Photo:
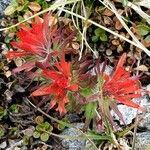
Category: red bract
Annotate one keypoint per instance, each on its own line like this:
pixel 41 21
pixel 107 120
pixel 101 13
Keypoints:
pixel 61 83
pixel 41 41
pixel 121 86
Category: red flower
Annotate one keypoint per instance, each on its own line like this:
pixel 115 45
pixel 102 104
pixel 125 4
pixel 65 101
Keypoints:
pixel 35 40
pixel 40 41
pixel 61 83
pixel 122 86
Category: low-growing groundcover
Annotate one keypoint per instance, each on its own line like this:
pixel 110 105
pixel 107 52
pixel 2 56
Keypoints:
pixel 55 66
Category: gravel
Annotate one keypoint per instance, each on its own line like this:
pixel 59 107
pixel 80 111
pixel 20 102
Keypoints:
pixel 3 5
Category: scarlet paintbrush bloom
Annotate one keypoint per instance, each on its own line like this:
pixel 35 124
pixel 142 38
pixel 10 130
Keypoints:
pixel 121 86
pixel 41 41
pixel 61 83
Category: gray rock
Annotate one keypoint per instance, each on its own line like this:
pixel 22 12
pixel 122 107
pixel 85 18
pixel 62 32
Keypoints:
pixel 76 144
pixel 130 113
pixel 3 145
pixel 148 88
pixel 145 122
pixel 19 88
pixel 3 5
pixel 143 141
pixel 108 69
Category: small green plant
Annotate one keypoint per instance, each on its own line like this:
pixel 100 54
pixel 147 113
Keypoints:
pixel 143 29
pixel 61 126
pixel 14 131
pixel 3 112
pixel 84 82
pixel 26 140
pixel 16 5
pixel 2 131
pixel 43 131
pixel 14 108
pixel 99 34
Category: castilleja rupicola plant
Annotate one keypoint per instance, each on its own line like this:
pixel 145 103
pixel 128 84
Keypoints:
pixel 110 89
pixel 121 86
pixel 61 83
pixel 44 44
pixel 118 87
pixel 40 42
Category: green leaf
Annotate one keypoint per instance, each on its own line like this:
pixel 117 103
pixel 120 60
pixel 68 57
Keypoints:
pixel 124 131
pixel 20 18
pixel 8 39
pixel 3 112
pixel 43 4
pixel 46 125
pixel 99 31
pixel 39 127
pixel 72 102
pixel 103 37
pixel 95 136
pixel 20 8
pixel 36 134
pixel 14 108
pixel 25 140
pixel 124 2
pixel 50 128
pixel 94 38
pixel 44 137
pixel 1 132
pixel 147 39
pixel 14 130
pixel 86 91
pixel 143 29
pixel 61 126
pixel 100 82
pixel 1 67
pixel 10 10
pixel 89 2
pixel 90 110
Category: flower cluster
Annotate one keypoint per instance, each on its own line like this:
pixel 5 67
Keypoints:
pixel 43 45
pixel 40 42
pixel 60 85
pixel 121 86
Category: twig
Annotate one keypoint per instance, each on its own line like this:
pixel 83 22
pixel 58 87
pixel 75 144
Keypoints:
pixel 138 43
pixel 15 145
pixel 82 33
pixel 60 122
pixel 136 7
pixel 108 30
pixel 53 7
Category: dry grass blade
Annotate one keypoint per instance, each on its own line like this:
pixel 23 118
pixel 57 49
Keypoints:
pixel 108 30
pixel 144 3
pixel 58 121
pixel 136 7
pixel 138 43
pixel 82 33
pixel 59 1
pixel 139 11
pixel 52 7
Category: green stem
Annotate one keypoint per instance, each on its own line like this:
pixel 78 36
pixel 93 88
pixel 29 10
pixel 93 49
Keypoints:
pixel 78 137
pixel 63 123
